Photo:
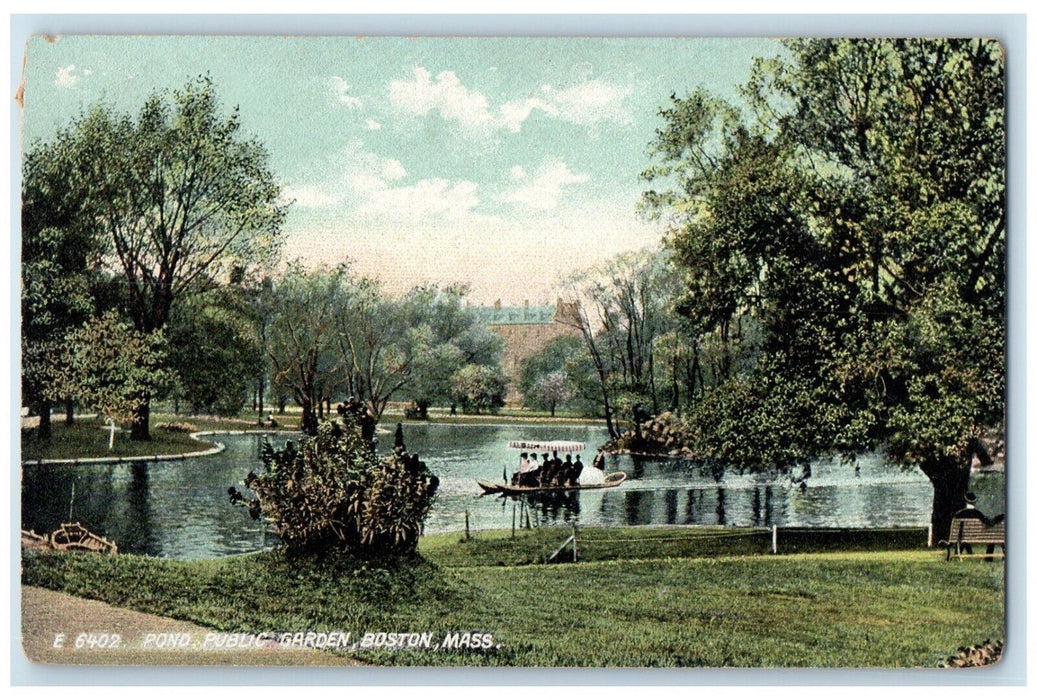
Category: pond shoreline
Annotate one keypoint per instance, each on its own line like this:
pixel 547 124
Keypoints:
pixel 216 448
pixel 385 426
pixel 179 507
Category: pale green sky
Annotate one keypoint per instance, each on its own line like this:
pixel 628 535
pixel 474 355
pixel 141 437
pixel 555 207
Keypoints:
pixel 504 163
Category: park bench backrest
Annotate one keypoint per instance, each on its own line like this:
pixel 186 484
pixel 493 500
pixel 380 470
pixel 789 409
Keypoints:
pixel 976 531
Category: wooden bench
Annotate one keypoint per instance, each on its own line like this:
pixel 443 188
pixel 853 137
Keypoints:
pixel 966 532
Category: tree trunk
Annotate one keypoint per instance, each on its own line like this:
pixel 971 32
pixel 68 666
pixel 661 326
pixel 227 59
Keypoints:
pixel 70 417
pixel 259 394
pixel 140 428
pixel 950 480
pixel 43 432
pixel 309 418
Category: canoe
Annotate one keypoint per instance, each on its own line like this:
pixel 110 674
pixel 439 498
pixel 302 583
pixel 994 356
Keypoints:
pixel 613 479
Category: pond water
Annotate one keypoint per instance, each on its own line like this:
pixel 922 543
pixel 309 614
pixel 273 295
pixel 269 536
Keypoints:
pixel 180 509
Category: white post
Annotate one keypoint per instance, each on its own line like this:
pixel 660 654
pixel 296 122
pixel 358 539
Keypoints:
pixel 774 539
pixel 111 433
pixel 929 541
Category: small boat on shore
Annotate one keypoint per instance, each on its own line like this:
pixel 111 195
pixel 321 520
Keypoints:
pixel 611 480
pixel 70 537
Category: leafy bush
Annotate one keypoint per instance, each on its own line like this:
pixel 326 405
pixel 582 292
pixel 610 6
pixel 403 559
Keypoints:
pixel 479 388
pixel 177 427
pixel 333 493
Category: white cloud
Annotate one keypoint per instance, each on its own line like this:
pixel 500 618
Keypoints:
pixel 542 190
pixel 340 90
pixel 372 125
pixel 372 187
pixel 590 102
pixel 435 197
pixel 514 113
pixel 365 172
pixel 66 76
pixel 584 104
pixel 422 94
pixel 392 169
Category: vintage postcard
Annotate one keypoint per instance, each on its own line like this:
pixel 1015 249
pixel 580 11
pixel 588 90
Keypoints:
pixel 514 352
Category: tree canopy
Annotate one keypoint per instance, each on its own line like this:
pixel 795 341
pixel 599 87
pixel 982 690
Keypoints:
pixel 853 212
pixel 172 200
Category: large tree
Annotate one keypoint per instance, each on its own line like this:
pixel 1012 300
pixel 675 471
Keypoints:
pixel 60 266
pixel 215 351
pixel 178 196
pixel 622 308
pixel 304 333
pixel 411 346
pixel 854 214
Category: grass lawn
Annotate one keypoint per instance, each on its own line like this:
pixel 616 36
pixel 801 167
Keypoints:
pixel 626 604
pixel 88 437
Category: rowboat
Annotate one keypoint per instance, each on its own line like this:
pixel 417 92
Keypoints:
pixel 611 480
pixel 70 537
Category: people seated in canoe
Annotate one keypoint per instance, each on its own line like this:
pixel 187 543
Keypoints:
pixel 577 471
pixel 547 471
pixel 516 478
pixel 528 473
pixel 568 471
pixel 531 477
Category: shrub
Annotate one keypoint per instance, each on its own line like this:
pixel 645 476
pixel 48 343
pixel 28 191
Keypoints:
pixel 333 493
pixel 177 427
pixel 478 388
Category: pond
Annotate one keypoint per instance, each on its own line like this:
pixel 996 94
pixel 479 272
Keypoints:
pixel 180 509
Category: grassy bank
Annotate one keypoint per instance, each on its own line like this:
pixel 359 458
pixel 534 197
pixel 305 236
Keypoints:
pixel 533 546
pixel 633 605
pixel 88 437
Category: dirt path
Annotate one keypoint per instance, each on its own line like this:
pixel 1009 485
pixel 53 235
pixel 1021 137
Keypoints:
pixel 47 614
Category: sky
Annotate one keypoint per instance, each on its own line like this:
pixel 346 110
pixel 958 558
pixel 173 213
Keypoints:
pixel 506 164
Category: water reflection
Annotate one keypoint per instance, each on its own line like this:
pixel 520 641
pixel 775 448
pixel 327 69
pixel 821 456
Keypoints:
pixel 138 500
pixel 180 509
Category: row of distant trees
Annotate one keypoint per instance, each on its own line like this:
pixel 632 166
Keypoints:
pixel 149 271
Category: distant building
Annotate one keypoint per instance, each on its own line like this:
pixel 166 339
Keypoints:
pixel 526 331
